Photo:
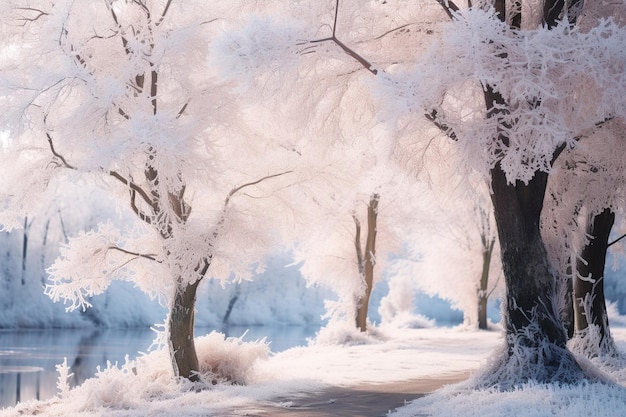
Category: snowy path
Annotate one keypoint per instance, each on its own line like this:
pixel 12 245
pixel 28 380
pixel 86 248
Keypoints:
pixel 364 400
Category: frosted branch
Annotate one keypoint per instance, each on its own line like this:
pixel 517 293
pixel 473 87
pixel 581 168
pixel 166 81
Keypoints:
pixel 344 47
pixel 449 7
pixel 432 116
pixel 150 256
pixel 134 187
pixel 249 184
pixel 39 13
pixel 58 155
pixel 167 7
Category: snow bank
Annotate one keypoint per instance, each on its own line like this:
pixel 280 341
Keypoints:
pixel 529 400
pixel 146 386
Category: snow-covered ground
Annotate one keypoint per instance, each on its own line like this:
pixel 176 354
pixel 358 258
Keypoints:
pixel 144 387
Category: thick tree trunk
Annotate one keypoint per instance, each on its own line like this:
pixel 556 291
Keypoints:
pixel 368 261
pixel 181 322
pixel 589 302
pixel 536 339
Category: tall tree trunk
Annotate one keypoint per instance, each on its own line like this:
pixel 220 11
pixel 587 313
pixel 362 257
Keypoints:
pixel 367 262
pixel 231 305
pixel 536 339
pixel 181 322
pixel 589 302
pixel 483 294
pixel 24 250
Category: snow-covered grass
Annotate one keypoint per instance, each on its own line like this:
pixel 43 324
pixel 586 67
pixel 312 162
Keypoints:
pixel 145 387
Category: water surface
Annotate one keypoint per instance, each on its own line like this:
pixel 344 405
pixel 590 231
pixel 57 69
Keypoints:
pixel 28 358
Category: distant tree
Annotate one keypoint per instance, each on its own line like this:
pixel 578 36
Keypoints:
pixel 366 259
pixel 122 93
pixel 454 252
pixel 354 220
pixel 348 249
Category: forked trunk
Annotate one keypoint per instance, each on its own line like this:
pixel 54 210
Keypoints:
pixel 589 302
pixel 181 322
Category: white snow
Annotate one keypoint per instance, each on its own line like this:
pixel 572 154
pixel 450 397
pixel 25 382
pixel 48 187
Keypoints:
pixel 145 387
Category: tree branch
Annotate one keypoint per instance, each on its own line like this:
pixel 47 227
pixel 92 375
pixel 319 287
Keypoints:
pixel 167 7
pixel 151 257
pixel 134 187
pixel 344 47
pixel 24 19
pixel 393 30
pixel 56 154
pixel 241 187
pixel 133 205
pixel 432 116
pixel 616 240
pixel 182 110
pixel 449 7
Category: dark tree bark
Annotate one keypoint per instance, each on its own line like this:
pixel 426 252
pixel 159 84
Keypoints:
pixel 181 322
pixel 483 294
pixel 533 327
pixel 589 302
pixel 567 310
pixel 231 305
pixel 529 277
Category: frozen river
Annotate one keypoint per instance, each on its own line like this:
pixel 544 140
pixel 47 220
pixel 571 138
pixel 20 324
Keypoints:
pixel 28 358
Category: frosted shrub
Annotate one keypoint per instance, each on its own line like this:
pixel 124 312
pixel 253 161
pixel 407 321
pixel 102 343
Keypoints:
pixel 64 376
pixel 229 359
pixel 345 333
pixel 150 377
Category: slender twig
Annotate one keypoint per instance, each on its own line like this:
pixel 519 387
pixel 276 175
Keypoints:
pixel 25 19
pixel 133 205
pixel 432 116
pixel 56 154
pixel 356 56
pixel 449 7
pixel 393 30
pixel 616 240
pixel 182 110
pixel 133 187
pixel 150 256
pixel 167 6
pixel 345 48
pixel 239 188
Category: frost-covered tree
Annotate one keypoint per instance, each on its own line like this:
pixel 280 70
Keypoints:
pixel 514 84
pixel 360 204
pixel 545 80
pixel 453 254
pixel 122 93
